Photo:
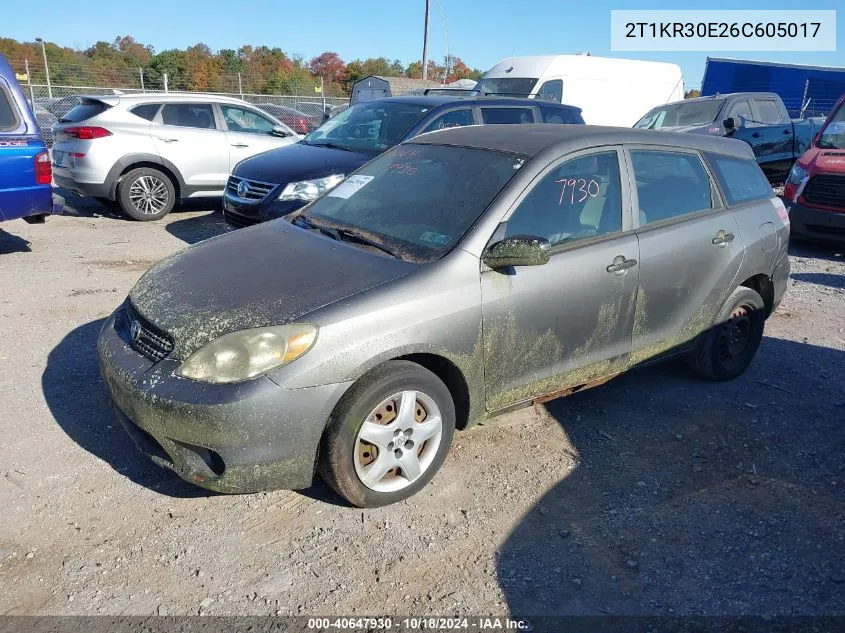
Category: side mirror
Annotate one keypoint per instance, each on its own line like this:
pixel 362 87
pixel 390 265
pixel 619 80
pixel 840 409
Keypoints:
pixel 278 130
pixel 519 250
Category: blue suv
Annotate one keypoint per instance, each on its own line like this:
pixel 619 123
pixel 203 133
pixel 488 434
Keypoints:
pixel 281 181
pixel 26 172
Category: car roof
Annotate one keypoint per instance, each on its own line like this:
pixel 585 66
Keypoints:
pixel 163 97
pixel 726 95
pixel 530 139
pixel 436 100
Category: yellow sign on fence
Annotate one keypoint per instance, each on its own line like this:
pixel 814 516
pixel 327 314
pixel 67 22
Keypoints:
pixel 22 77
pixel 318 89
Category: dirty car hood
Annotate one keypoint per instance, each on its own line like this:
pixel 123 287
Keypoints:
pixel 270 274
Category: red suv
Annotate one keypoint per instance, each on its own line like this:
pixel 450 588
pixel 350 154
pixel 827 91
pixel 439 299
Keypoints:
pixel 815 189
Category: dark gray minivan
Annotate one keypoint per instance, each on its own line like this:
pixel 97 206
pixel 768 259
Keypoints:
pixel 455 276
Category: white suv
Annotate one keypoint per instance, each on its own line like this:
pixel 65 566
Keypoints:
pixel 145 152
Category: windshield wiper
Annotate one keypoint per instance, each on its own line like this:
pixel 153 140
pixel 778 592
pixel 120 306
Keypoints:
pixel 332 146
pixel 341 233
pixel 357 237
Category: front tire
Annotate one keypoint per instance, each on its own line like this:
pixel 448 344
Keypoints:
pixel 146 194
pixel 726 350
pixel 388 436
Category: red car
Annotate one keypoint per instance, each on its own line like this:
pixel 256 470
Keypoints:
pixel 298 121
pixel 815 190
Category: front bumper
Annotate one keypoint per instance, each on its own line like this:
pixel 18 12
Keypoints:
pixel 237 438
pixel 238 214
pixel 816 224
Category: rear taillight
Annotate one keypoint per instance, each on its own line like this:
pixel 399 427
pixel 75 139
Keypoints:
pixel 781 210
pixel 86 132
pixel 43 169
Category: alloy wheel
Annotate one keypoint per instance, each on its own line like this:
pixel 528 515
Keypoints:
pixel 148 195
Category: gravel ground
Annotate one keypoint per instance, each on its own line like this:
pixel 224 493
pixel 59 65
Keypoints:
pixel 654 494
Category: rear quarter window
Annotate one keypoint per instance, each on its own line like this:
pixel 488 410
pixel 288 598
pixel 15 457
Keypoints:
pixel 560 115
pixel 146 111
pixel 506 115
pixel 741 180
pixel 8 110
pixel 83 112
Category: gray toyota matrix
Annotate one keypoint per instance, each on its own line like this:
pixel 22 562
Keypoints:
pixel 455 276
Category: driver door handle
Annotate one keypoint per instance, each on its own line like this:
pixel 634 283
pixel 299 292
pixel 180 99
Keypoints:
pixel 756 135
pixel 167 140
pixel 240 144
pixel 621 265
pixel 722 239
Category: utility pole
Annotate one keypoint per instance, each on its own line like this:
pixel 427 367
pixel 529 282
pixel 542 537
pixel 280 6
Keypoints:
pixel 240 87
pixel 29 81
pixel 425 42
pixel 47 68
pixel 141 73
pixel 164 76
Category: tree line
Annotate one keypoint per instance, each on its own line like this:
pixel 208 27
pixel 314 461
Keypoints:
pixel 262 69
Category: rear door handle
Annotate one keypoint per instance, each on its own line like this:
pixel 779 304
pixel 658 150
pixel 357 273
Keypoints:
pixel 723 238
pixel 168 140
pixel 756 135
pixel 787 131
pixel 240 145
pixel 621 265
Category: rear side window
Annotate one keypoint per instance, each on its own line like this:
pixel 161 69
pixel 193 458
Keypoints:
pixel 83 112
pixel 768 111
pixel 559 115
pixel 741 180
pixel 551 91
pixel 146 111
pixel 455 118
pixel 8 111
pixel 197 115
pixel 669 184
pixel 492 116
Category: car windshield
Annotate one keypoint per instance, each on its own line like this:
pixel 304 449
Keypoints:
pixel 678 114
pixel 506 86
pixel 833 136
pixel 417 200
pixel 373 126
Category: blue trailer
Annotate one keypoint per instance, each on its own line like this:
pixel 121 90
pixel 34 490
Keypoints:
pixel 805 90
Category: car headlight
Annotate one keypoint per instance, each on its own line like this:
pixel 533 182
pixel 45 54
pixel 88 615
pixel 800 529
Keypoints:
pixel 249 353
pixel 797 174
pixel 310 189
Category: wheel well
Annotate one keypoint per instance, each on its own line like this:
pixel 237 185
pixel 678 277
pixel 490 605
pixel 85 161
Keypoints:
pixel 452 377
pixel 157 166
pixel 762 284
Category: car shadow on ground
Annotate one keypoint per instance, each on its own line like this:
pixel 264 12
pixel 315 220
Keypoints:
pixel 828 252
pixel 77 398
pixel 13 244
pixel 831 280
pixel 693 497
pixel 197 228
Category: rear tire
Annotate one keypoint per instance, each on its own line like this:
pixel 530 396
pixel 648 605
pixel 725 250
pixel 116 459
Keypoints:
pixel 726 350
pixel 146 194
pixel 410 420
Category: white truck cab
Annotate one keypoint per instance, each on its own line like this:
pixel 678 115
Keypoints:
pixel 609 91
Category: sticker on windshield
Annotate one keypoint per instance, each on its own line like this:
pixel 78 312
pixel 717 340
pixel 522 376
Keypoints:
pixel 349 186
pixel 435 238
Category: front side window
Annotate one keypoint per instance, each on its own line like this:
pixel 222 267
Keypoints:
pixel 248 121
pixel 741 180
pixel 739 109
pixel 669 184
pixel 8 112
pixel 196 115
pixel 454 118
pixel 551 91
pixel 507 115
pixel 579 199
pixel 833 135
pixel 373 126
pixel 768 111
pixel 419 199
